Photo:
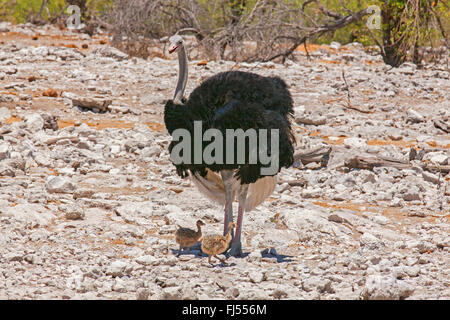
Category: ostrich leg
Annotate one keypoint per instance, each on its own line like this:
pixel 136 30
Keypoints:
pixel 227 178
pixel 236 247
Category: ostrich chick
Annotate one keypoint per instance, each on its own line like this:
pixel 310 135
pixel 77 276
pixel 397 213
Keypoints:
pixel 214 244
pixel 186 237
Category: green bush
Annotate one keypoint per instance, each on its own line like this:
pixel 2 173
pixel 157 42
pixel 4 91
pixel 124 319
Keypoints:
pixel 16 11
pixel 406 24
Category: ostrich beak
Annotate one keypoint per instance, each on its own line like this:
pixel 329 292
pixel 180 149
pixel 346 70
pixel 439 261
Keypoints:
pixel 173 49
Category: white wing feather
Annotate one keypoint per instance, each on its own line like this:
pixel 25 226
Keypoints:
pixel 212 187
pixel 259 191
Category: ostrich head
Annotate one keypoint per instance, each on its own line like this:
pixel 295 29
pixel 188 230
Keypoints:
pixel 177 45
pixel 200 223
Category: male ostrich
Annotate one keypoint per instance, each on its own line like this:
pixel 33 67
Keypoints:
pixel 232 100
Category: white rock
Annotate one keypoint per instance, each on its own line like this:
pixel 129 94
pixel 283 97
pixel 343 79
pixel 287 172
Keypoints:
pixel 43 160
pixel 114 171
pixel 142 294
pixel 34 122
pixel 119 109
pixel 256 276
pixel 58 184
pixel 412 271
pixel 115 149
pixel 171 293
pixel 4 27
pixel 430 177
pixel 4 113
pixel 299 110
pixel 396 202
pixel 335 45
pixel 399 272
pixel 438 158
pixel 4 150
pixel 147 260
pixel 119 286
pixel 317 283
pixel 380 220
pixel 110 52
pixel 118 268
pixel 73 212
pixel 9 69
pixel 14 256
pixel 280 188
pixel 379 287
pixel 411 194
pixel 135 211
pixel 149 152
pixel 355 143
pixel 414 116
pixel 370 241
pixel 33 214
pixel 340 187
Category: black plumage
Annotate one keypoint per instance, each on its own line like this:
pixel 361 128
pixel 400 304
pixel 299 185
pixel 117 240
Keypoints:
pixel 235 100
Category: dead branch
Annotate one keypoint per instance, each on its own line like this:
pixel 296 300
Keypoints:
pixel 295 183
pixel 346 87
pixel 329 13
pixel 441 125
pixel 273 29
pixel 309 121
pixel 320 31
pixel 348 101
pixel 368 163
pixel 41 10
pixel 320 154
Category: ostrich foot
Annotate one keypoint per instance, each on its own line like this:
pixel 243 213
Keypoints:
pixel 222 261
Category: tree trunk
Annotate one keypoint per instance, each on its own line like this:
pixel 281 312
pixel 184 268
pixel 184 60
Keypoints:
pixel 81 4
pixel 237 9
pixel 391 21
pixel 44 3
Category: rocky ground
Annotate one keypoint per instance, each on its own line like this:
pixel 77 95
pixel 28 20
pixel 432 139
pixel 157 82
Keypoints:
pixel 89 200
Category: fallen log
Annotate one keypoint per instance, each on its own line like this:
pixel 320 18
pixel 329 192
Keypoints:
pixel 317 121
pixel 435 168
pixel 301 182
pixel 320 154
pixel 73 139
pixel 441 125
pixel 368 163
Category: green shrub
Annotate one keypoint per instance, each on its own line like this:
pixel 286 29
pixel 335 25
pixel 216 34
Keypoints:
pixel 16 11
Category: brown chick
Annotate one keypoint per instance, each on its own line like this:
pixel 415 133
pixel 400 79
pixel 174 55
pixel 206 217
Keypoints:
pixel 214 244
pixel 186 237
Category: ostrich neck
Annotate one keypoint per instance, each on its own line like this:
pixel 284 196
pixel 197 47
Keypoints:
pixel 229 237
pixel 182 75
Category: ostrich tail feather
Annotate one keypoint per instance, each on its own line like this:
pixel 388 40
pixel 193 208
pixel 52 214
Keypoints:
pixel 211 186
pixel 259 191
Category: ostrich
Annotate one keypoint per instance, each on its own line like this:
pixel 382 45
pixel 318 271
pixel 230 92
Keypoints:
pixel 213 245
pixel 186 237
pixel 232 100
